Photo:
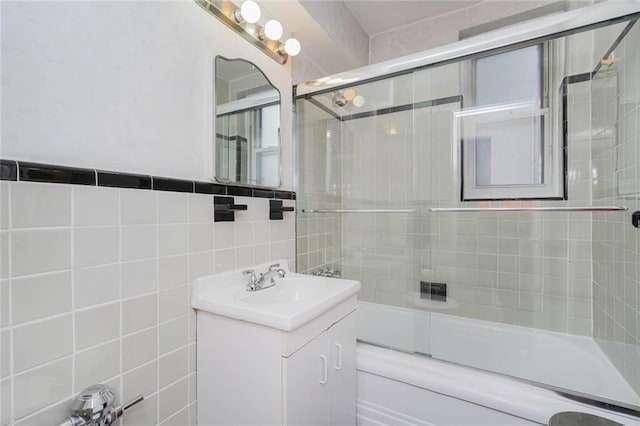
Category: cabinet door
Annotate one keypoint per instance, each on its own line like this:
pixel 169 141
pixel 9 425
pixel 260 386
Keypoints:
pixel 342 372
pixel 307 376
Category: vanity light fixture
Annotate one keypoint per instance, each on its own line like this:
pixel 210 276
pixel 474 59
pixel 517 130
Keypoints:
pixel 273 30
pixel 249 12
pixel 244 20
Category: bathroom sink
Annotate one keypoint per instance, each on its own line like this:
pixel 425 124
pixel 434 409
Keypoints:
pixel 293 301
pixel 287 290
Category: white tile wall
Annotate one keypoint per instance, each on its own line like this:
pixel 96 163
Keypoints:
pixel 96 288
pixel 526 269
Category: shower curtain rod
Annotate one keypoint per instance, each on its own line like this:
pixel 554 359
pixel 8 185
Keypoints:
pixel 529 209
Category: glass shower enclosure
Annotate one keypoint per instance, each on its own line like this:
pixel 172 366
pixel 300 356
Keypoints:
pixel 486 204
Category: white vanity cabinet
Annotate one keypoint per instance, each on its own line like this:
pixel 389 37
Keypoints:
pixel 251 374
pixel 320 378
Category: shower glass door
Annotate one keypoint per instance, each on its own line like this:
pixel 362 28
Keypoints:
pixel 522 282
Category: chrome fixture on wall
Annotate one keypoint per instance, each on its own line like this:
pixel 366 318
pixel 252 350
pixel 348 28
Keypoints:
pixel 244 21
pixel 94 407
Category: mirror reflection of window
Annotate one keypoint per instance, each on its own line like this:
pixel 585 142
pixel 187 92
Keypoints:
pixel 247 139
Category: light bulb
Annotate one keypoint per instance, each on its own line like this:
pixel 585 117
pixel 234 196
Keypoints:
pixel 349 94
pixel 358 101
pixel 292 47
pixel 250 12
pixel 273 30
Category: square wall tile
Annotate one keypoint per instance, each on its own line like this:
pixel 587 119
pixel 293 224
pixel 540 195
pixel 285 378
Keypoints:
pixel 140 381
pixel 41 387
pixel 95 246
pixel 97 364
pixel 137 207
pixel 200 208
pixel 224 235
pixel 173 207
pixel 97 325
pixel 201 264
pixel 54 334
pixel 173 398
pixel 173 334
pixel 139 313
pixel 39 251
pixel 40 296
pixel 139 348
pixel 200 237
pixel 173 366
pixel 138 242
pixel 94 206
pixel 96 285
pixel 143 414
pixel 139 277
pixel 173 303
pixel 59 410
pixel 173 239
pixel 173 271
pixel 40 204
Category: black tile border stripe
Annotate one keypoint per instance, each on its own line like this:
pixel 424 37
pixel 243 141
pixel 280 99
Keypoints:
pixel 173 185
pixel 12 170
pixel 124 180
pixel 240 191
pixel 35 172
pixel 210 188
pixel 8 170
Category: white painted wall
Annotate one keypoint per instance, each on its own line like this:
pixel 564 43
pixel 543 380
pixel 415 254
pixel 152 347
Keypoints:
pixel 442 29
pixel 124 86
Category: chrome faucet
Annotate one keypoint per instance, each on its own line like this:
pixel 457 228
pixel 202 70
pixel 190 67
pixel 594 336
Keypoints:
pixel 265 280
pixel 95 406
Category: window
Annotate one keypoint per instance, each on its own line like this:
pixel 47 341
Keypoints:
pixel 508 148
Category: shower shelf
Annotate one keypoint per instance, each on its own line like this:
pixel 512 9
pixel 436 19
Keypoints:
pixel 360 211
pixel 529 209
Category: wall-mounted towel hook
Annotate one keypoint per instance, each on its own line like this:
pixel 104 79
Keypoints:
pixel 276 208
pixel 224 209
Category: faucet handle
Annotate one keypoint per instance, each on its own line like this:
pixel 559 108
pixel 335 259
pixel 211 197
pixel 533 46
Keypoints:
pixel 248 272
pixel 274 267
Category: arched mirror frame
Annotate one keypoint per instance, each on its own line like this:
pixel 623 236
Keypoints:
pixel 278 169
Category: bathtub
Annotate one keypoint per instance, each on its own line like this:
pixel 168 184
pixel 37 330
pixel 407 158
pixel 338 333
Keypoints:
pixel 396 387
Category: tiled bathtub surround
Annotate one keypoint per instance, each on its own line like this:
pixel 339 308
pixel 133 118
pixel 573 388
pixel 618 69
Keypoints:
pixel 530 269
pixel 95 287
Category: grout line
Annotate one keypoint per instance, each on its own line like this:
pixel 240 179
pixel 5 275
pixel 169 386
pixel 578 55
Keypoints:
pixel 157 355
pixel 12 372
pixel 74 343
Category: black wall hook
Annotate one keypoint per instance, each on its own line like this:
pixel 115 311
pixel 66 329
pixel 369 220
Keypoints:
pixel 224 209
pixel 276 208
pixel 635 219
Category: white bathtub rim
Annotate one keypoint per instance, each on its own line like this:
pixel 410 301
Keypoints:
pixel 504 394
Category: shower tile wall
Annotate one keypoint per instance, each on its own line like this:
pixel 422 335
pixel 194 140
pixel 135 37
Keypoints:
pixel 530 269
pixel 95 287
pixel 616 160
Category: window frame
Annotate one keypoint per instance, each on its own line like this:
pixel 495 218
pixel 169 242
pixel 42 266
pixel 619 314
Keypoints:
pixel 553 186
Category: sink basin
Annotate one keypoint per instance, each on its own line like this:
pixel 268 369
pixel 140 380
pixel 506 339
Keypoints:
pixel 287 290
pixel 295 299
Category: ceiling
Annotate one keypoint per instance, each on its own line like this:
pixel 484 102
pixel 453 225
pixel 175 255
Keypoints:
pixel 376 16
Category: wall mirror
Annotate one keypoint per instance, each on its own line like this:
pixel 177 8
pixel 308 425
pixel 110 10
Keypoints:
pixel 247 147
